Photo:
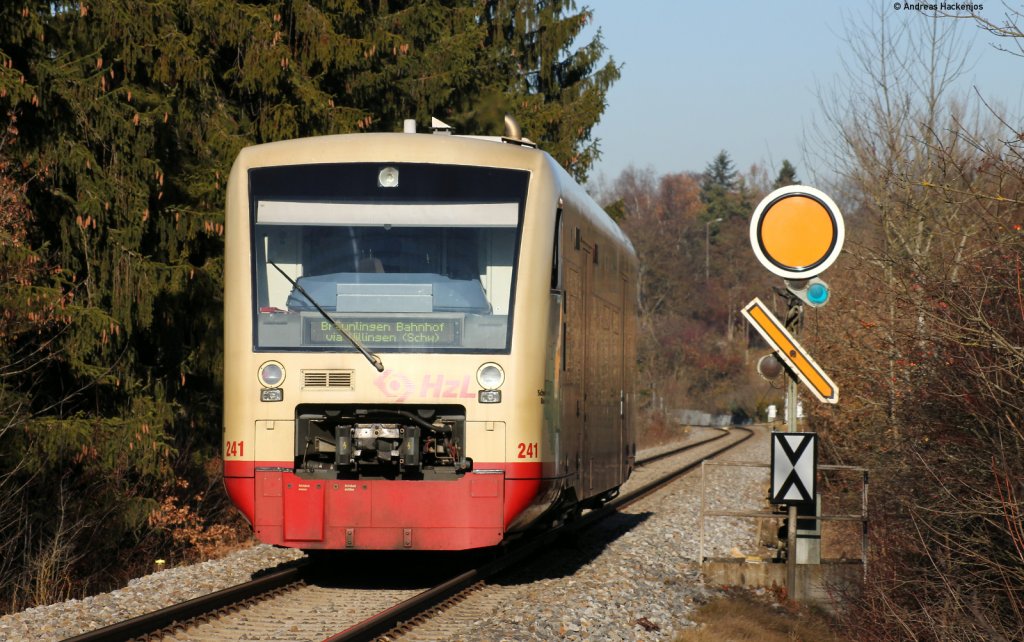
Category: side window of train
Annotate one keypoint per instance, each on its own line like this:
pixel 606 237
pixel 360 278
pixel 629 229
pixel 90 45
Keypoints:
pixel 556 254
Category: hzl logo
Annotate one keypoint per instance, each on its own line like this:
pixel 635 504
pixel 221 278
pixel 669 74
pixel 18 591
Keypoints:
pixel 399 387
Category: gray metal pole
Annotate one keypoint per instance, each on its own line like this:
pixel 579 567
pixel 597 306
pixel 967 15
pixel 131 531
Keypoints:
pixel 791 390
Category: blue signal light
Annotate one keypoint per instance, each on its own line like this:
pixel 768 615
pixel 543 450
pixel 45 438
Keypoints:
pixel 817 293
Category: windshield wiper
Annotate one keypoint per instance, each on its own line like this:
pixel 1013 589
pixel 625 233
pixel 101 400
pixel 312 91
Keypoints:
pixel 372 358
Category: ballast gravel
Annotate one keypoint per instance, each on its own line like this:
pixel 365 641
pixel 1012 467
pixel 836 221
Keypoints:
pixel 141 595
pixel 634 577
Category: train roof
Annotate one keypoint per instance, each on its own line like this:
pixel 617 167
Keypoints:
pixel 498 151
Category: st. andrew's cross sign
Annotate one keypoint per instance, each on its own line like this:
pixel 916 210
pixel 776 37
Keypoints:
pixel 794 467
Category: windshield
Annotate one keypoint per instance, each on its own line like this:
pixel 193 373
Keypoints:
pixel 426 270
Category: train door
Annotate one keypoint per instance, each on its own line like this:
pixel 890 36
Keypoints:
pixel 574 344
pixel 620 381
pixel 604 375
pixel 629 368
pixel 590 368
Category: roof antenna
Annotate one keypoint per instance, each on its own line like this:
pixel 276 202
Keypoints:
pixel 439 127
pixel 514 133
pixel 512 129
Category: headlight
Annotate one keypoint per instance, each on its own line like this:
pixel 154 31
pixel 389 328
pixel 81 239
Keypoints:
pixel 388 177
pixel 490 376
pixel 271 374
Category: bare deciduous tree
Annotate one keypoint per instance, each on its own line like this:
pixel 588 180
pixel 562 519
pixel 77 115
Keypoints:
pixel 927 335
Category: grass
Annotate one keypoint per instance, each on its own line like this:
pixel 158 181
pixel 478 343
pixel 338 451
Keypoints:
pixel 742 616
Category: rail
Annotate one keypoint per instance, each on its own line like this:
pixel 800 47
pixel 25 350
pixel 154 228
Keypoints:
pixel 385 621
pixel 156 620
pixel 389 618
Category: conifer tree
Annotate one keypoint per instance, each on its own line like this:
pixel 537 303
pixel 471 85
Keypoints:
pixel 131 114
pixel 787 175
pixel 130 117
pixel 727 209
pixel 718 179
pixel 556 92
pixel 722 191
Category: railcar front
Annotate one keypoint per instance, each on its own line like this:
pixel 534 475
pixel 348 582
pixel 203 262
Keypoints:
pixel 385 341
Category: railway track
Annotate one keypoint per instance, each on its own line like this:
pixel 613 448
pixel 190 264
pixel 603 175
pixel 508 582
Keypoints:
pixel 313 601
pixel 433 622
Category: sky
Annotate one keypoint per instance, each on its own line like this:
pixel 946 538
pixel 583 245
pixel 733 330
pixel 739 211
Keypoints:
pixel 745 75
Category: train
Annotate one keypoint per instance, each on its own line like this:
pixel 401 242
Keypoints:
pixel 429 341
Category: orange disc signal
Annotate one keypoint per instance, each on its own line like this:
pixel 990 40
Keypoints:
pixel 797 232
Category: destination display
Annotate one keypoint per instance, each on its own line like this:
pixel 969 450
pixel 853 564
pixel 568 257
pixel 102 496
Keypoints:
pixel 396 332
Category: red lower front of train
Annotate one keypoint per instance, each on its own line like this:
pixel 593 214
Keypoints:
pixel 474 511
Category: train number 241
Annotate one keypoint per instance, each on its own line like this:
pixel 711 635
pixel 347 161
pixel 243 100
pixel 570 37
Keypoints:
pixel 234 449
pixel 529 451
